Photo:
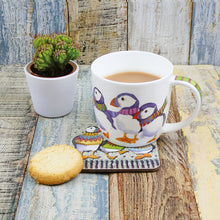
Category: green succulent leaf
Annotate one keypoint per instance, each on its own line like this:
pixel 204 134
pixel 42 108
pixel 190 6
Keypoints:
pixel 60 58
pixel 37 42
pixel 43 57
pixel 53 52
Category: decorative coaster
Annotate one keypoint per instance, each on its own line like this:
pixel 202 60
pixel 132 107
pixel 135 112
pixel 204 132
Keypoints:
pixel 102 156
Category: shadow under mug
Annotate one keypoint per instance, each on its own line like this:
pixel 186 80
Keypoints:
pixel 135 114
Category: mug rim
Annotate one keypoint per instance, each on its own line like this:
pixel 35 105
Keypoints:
pixel 132 83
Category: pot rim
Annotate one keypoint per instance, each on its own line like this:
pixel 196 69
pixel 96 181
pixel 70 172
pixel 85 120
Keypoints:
pixel 28 71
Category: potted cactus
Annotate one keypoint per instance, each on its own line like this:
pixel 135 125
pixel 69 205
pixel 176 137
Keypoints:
pixel 52 75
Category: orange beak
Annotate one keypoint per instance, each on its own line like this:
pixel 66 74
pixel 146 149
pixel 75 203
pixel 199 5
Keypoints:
pixel 114 103
pixel 136 116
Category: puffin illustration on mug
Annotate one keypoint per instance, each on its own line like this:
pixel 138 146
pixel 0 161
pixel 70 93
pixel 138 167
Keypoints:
pixel 145 120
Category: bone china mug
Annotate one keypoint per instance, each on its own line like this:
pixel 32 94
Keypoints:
pixel 134 114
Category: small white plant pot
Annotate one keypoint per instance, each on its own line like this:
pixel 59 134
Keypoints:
pixel 52 96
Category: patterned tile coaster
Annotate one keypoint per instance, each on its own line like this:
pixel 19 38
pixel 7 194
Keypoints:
pixel 102 156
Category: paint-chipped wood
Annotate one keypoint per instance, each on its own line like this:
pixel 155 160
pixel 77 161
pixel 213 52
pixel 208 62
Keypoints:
pixel 162 27
pixel 99 27
pixel 165 194
pixel 85 196
pixel 203 137
pixel 21 20
pixel 184 31
pixel 205 39
pixel 17 125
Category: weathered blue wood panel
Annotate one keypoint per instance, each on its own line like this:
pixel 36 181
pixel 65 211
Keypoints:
pixel 13 25
pixel 48 17
pixel 205 33
pixel 17 125
pixel 21 20
pixel 161 27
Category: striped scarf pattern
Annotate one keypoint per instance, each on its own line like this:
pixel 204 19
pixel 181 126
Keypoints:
pixel 129 111
pixel 101 107
pixel 154 115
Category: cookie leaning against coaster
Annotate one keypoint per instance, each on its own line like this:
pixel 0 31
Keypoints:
pixel 56 164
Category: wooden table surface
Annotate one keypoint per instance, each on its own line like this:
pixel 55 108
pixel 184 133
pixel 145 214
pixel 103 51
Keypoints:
pixel 185 187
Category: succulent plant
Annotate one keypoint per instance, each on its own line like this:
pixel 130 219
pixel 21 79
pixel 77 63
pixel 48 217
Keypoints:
pixel 53 54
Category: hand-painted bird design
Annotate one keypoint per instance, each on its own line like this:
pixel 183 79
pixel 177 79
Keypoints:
pixel 142 151
pixel 129 105
pixel 108 147
pixel 101 110
pixel 89 141
pixel 151 119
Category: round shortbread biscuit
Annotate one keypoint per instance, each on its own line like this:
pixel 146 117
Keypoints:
pixel 56 164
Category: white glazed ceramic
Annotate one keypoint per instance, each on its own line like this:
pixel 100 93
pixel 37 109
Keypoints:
pixel 134 114
pixel 52 96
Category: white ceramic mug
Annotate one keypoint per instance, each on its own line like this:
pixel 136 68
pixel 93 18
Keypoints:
pixel 135 114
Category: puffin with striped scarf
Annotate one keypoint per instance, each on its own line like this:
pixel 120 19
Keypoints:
pixel 129 106
pixel 151 119
pixel 102 112
pixel 88 142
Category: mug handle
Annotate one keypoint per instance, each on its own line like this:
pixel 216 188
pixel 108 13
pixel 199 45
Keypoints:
pixel 181 80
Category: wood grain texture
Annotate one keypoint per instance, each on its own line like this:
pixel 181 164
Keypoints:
pixel 165 194
pixel 14 22
pixel 17 125
pixel 203 137
pixel 21 20
pixel 99 27
pixel 85 196
pixel 162 27
pixel 205 39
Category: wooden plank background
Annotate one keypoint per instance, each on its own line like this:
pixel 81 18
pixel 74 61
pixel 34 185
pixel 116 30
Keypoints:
pixel 17 125
pixel 99 27
pixel 205 40
pixel 21 20
pixel 203 137
pixel 161 27
pixel 184 31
